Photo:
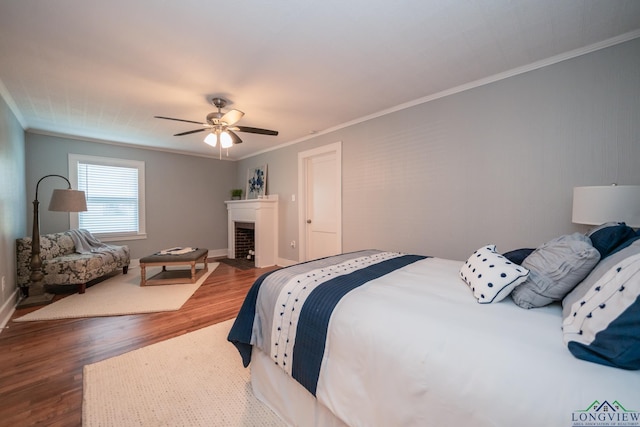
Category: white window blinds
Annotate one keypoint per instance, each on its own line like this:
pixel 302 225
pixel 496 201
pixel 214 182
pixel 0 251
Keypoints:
pixel 114 196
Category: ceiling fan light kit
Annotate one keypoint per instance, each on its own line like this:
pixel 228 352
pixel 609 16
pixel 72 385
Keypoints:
pixel 221 126
pixel 224 137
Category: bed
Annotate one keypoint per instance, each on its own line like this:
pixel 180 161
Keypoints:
pixel 374 338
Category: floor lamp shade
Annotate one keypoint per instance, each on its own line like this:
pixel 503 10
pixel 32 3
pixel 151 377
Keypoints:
pixel 599 204
pixel 68 201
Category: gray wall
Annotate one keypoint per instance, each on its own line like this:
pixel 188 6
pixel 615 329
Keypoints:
pixel 495 164
pixel 12 203
pixel 184 194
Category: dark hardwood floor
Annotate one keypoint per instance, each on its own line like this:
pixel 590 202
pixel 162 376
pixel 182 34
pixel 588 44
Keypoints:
pixel 41 362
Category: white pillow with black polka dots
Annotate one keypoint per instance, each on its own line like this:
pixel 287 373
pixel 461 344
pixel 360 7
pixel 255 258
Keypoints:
pixel 490 275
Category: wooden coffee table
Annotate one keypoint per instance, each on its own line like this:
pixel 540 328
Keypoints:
pixel 167 277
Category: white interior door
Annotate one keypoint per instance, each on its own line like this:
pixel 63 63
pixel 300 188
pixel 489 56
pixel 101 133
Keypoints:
pixel 320 174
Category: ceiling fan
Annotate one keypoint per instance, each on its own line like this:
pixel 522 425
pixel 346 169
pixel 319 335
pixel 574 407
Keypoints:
pixel 221 127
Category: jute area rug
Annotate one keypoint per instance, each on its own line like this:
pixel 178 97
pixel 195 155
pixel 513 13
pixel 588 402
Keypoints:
pixel 196 379
pixel 120 295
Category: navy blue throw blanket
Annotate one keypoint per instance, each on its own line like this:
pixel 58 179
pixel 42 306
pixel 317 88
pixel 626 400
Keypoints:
pixel 242 329
pixel 311 331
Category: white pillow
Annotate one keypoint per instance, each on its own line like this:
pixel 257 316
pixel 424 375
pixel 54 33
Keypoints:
pixel 490 275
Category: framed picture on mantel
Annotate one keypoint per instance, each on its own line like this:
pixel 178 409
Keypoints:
pixel 257 182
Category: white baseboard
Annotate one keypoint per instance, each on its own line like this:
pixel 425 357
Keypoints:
pixel 7 309
pixel 217 253
pixel 283 262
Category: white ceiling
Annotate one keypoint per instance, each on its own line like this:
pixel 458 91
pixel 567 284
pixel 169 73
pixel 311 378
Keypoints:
pixel 100 70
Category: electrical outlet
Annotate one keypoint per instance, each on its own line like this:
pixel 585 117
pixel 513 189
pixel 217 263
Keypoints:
pixel 293 243
pixel 3 284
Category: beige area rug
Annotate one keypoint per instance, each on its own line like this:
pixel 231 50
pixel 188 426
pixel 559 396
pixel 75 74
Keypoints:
pixel 196 379
pixel 120 295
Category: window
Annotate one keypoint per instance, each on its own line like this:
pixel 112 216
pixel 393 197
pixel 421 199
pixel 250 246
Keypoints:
pixel 115 196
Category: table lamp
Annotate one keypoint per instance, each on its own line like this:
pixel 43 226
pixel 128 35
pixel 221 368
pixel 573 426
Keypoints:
pixel 600 204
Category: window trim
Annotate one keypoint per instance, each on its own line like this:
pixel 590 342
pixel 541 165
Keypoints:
pixel 74 159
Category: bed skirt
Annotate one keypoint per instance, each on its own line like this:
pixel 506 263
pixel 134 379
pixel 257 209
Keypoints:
pixel 285 396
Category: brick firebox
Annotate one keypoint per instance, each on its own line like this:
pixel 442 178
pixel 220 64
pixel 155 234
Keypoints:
pixel 245 239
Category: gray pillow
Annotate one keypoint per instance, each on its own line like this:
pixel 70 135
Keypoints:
pixel 601 269
pixel 555 269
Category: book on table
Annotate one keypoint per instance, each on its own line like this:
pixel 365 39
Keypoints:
pixel 177 251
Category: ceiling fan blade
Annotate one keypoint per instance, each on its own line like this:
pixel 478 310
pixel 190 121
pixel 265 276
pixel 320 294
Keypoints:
pixel 179 120
pixel 231 117
pixel 234 137
pixel 189 132
pixel 256 130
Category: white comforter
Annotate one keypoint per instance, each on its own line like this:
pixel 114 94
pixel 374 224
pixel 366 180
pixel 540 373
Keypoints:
pixel 414 348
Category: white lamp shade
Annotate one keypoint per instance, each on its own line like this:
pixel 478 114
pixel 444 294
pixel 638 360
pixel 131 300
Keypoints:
pixel 599 204
pixel 68 201
pixel 225 140
pixel 211 139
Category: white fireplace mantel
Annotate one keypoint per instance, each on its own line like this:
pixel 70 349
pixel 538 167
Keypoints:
pixel 264 214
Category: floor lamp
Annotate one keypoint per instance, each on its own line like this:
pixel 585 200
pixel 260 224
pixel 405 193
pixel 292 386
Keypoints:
pixel 62 200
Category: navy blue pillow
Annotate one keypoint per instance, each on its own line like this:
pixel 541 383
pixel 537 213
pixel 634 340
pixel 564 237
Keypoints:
pixel 625 244
pixel 616 346
pixel 516 256
pixel 607 239
pixel 602 314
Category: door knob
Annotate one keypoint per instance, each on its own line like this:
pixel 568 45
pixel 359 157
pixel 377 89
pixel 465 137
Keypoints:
pixel 308 221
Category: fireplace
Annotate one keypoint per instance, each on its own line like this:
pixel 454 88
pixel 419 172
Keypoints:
pixel 253 223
